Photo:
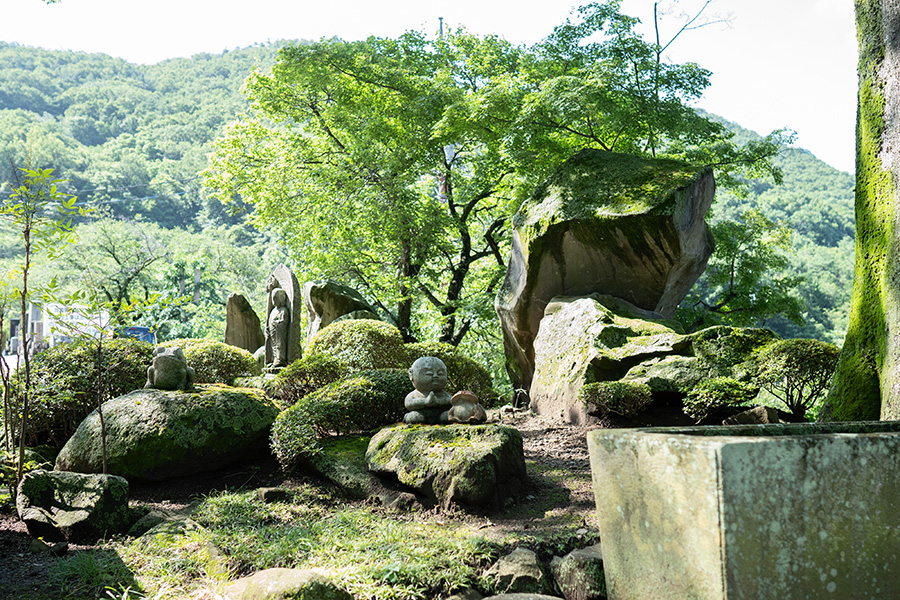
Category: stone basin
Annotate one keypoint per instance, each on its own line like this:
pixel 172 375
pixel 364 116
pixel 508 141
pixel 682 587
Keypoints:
pixel 792 511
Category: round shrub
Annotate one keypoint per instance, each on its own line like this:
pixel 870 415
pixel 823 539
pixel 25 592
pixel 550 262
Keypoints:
pixel 361 344
pixel 798 372
pixel 214 361
pixel 463 373
pixel 625 398
pixel 717 392
pixel 305 376
pixel 64 383
pixel 363 402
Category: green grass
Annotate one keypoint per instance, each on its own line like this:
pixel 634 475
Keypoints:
pixel 371 553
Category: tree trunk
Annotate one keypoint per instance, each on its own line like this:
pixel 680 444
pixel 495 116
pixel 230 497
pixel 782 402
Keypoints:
pixel 867 381
pixel 404 305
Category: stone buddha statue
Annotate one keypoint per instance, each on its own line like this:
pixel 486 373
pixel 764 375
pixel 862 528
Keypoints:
pixel 429 402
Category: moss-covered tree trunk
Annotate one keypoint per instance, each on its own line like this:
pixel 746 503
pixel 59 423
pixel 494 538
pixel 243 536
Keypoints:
pixel 867 382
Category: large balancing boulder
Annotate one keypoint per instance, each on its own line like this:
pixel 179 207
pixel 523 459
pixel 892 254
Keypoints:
pixel 593 338
pixel 74 507
pixel 327 301
pixel 474 465
pixel 607 223
pixel 156 434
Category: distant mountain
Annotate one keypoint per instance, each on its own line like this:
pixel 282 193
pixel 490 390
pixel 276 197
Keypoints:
pixel 131 136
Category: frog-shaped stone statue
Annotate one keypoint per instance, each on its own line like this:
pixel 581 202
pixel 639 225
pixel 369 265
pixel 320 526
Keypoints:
pixel 169 370
pixel 466 409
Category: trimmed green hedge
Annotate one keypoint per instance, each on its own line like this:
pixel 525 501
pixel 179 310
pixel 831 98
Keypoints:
pixel 64 383
pixel 625 398
pixel 214 361
pixel 365 401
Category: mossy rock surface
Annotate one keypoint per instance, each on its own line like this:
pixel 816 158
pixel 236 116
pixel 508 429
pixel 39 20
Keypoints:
pixel 342 460
pixel 72 506
pixel 582 340
pixel 158 434
pixel 606 223
pixel 478 465
pixel 285 584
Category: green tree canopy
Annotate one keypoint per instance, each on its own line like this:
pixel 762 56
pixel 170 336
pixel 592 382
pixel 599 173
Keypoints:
pixel 394 164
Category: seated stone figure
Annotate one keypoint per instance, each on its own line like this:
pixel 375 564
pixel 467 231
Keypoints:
pixel 429 402
pixel 169 370
pixel 466 409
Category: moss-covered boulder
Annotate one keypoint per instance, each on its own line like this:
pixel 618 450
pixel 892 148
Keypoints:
pixel 719 351
pixel 285 584
pixel 589 339
pixel 78 508
pixel 477 465
pixel 608 223
pixel 157 434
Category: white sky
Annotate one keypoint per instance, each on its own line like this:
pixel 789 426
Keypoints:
pixel 780 63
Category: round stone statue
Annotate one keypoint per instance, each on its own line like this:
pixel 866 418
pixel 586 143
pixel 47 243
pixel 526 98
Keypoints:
pixel 169 370
pixel 466 409
pixel 429 402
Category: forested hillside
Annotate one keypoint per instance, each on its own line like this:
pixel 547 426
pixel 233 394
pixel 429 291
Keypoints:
pixel 816 202
pixel 132 140
pixel 131 136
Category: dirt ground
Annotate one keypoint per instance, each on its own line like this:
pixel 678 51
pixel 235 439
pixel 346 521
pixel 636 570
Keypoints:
pixel 558 501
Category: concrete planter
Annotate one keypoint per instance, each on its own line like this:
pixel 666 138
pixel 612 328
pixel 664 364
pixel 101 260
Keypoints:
pixel 756 512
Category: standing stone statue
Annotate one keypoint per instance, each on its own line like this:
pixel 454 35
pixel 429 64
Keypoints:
pixel 278 328
pixel 283 330
pixel 429 402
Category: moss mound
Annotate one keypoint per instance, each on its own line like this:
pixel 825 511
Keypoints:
pixel 361 344
pixel 626 398
pixel 365 401
pixel 718 392
pixel 214 361
pixel 305 376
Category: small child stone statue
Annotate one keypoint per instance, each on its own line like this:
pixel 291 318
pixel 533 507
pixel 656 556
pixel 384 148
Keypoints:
pixel 466 409
pixel 429 402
